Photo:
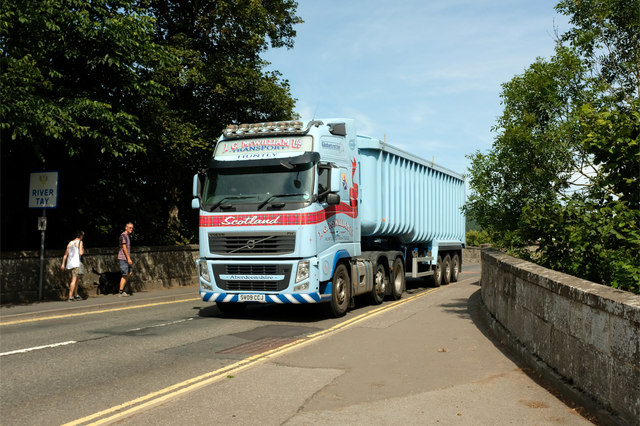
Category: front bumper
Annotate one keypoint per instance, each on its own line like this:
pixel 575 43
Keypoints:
pixel 287 298
pixel 255 281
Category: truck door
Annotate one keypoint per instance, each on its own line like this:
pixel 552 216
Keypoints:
pixel 343 221
pixel 338 227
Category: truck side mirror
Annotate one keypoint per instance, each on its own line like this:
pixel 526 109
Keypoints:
pixel 333 199
pixel 338 129
pixel 197 189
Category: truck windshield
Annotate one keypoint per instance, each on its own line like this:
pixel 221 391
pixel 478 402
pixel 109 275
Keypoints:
pixel 251 188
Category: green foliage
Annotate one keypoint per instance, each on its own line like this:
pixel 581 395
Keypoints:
pixel 563 170
pixel 607 34
pixel 611 136
pixel 70 70
pixel 471 224
pixel 600 243
pixel 476 238
pixel 126 99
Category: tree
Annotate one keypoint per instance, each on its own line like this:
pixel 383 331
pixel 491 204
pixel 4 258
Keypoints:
pixel 125 99
pixel 71 71
pixel 74 75
pixel 563 170
pixel 607 34
pixel 536 152
pixel 220 81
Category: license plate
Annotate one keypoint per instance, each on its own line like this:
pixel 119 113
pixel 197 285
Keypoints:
pixel 251 298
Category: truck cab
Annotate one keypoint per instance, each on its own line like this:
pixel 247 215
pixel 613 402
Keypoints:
pixel 278 205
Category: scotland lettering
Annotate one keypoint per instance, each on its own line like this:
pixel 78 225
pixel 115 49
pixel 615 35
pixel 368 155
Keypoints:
pixel 250 220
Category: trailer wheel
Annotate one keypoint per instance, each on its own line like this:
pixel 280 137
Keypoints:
pixel 436 278
pixel 455 268
pixel 446 270
pixel 397 279
pixel 380 281
pixel 231 308
pixel 339 292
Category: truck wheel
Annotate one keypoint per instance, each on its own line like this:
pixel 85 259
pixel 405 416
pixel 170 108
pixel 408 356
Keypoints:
pixel 340 292
pixel 380 281
pixel 231 308
pixel 446 270
pixel 455 268
pixel 397 279
pixel 436 279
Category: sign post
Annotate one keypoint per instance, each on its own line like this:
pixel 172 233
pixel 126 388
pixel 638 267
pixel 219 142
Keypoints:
pixel 43 194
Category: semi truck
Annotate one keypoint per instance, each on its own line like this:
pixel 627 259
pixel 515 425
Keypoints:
pixel 303 214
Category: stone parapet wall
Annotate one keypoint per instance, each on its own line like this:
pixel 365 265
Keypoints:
pixel 586 333
pixel 470 256
pixel 154 268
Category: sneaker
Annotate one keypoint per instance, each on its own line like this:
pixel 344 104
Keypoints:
pixel 77 298
pixel 123 294
pixel 70 300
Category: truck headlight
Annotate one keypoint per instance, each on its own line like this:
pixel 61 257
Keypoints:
pixel 303 271
pixel 204 270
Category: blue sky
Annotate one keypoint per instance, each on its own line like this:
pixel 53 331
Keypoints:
pixel 426 74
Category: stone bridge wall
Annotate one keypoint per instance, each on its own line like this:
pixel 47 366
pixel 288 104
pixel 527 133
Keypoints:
pixel 587 334
pixel 154 268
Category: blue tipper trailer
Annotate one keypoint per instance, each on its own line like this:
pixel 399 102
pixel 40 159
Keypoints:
pixel 295 213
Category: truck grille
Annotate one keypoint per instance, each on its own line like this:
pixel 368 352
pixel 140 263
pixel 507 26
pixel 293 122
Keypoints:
pixel 252 244
pixel 253 284
pixel 252 269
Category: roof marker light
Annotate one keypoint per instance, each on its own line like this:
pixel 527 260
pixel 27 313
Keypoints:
pixel 277 128
pixel 230 130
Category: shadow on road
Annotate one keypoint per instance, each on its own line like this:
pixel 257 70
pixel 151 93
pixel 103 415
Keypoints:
pixel 478 314
pixel 276 313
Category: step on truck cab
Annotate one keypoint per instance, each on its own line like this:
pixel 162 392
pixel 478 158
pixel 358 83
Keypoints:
pixel 297 214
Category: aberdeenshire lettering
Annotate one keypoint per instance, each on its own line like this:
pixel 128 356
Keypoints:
pixel 249 220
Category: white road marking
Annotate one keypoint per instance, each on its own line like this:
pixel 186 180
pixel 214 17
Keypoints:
pixel 71 342
pixel 161 325
pixel 35 348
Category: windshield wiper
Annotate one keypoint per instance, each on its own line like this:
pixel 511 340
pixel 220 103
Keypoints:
pixel 264 203
pixel 231 197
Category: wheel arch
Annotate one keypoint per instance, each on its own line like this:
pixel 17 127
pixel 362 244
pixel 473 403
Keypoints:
pixel 341 256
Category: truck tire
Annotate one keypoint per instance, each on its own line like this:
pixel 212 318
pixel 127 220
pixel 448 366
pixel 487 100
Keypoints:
pixel 231 308
pixel 455 268
pixel 397 279
pixel 380 282
pixel 340 292
pixel 446 270
pixel 435 280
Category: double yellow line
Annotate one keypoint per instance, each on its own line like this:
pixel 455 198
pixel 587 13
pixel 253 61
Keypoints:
pixel 102 311
pixel 128 408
